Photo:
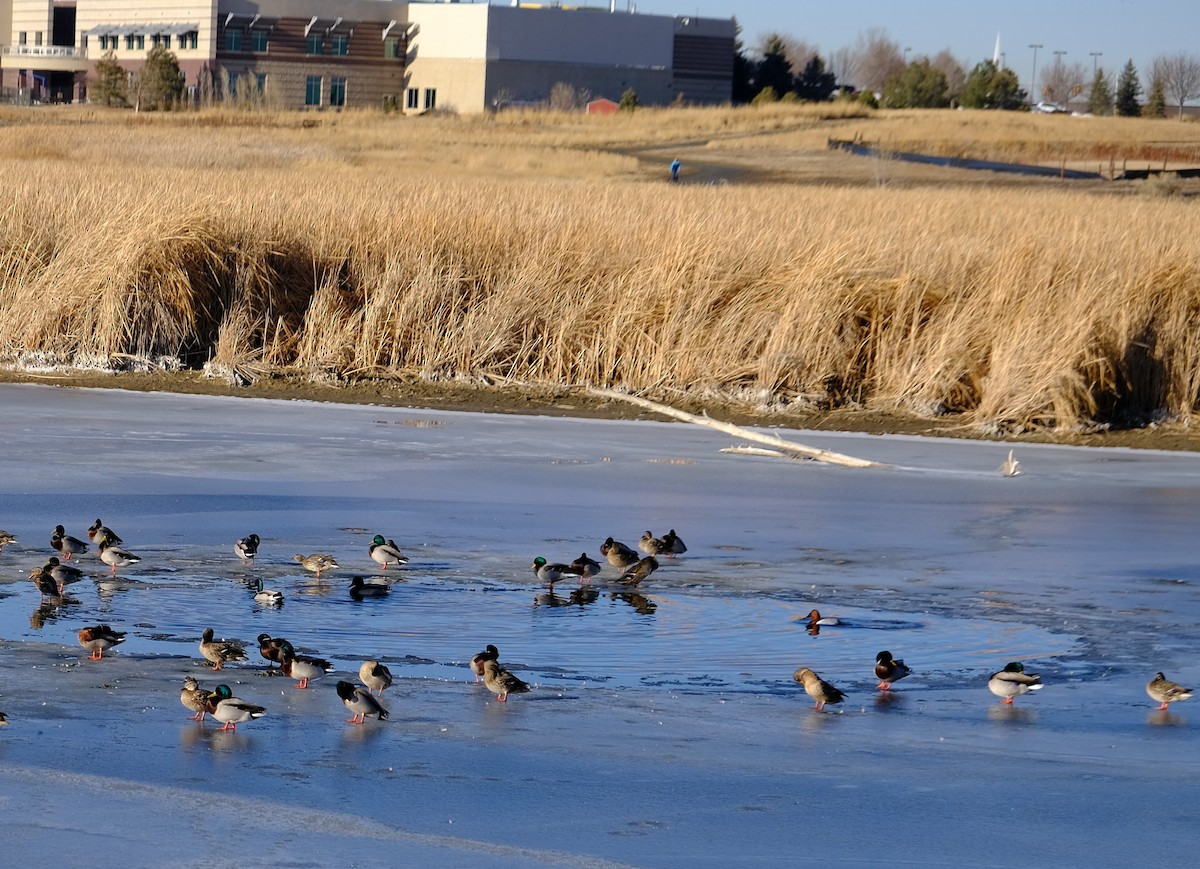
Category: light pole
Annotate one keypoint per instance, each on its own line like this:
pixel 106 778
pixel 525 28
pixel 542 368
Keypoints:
pixel 1058 56
pixel 907 49
pixel 1095 56
pixel 1033 80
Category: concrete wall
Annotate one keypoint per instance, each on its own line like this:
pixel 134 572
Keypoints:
pixel 523 81
pixel 580 36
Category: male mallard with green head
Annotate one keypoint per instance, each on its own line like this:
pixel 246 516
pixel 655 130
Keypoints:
pixel 232 710
pixel 303 667
pixel 246 548
pixel 361 703
pixel 385 552
pixel 889 670
pixel 65 544
pixel 114 555
pixel 1013 681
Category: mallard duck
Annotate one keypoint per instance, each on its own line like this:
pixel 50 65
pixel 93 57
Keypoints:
pixel 98 639
pixel 246 548
pixel 270 596
pixel 1013 681
pixel 651 545
pixel 271 648
pixel 639 571
pixel 232 710
pixel 501 682
pixel 3 719
pixel 361 703
pixel 63 574
pixel 98 531
pixel 672 544
pixel 316 562
pixel 65 544
pixel 818 689
pixel 490 653
pixel 303 667
pixel 45 583
pixel 376 676
pixel 618 554
pixel 889 670
pixel 195 698
pixel 5 539
pixel 585 567
pixel 551 573
pixel 219 652
pixel 385 552
pixel 360 588
pixel 115 556
pixel 1164 691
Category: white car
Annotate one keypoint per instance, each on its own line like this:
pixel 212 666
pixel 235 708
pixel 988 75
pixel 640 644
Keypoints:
pixel 1050 108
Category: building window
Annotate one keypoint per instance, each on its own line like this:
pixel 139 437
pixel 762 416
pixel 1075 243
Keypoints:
pixel 22 37
pixel 188 40
pixel 156 40
pixel 37 38
pixel 141 41
pixel 339 44
pixel 129 42
pixel 412 98
pixel 430 99
pixel 315 44
pixel 258 40
pixel 166 40
pixel 233 40
pixel 391 48
pixel 337 90
pixel 312 90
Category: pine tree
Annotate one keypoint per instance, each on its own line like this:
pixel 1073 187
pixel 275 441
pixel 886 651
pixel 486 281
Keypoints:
pixel 1129 89
pixel 629 100
pixel 774 71
pixel 1156 104
pixel 1100 101
pixel 109 86
pixel 160 81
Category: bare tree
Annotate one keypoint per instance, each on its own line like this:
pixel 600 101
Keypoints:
pixel 565 97
pixel 878 58
pixel 1180 77
pixel 1062 82
pixel 950 66
pixel 843 63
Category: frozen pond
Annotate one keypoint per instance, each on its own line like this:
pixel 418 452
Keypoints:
pixel 664 728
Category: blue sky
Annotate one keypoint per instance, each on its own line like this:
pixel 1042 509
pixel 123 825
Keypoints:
pixel 1120 29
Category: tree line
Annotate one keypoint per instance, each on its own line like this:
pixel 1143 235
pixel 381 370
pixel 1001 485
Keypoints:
pixel 877 71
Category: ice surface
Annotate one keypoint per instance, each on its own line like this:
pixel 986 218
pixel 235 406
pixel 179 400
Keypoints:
pixel 664 728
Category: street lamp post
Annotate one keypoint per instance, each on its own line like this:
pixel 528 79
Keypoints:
pixel 1095 56
pixel 1058 56
pixel 907 49
pixel 1033 79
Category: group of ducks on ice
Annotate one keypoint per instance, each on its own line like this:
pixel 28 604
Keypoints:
pixel 51 578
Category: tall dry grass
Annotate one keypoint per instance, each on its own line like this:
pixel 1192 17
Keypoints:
pixel 280 249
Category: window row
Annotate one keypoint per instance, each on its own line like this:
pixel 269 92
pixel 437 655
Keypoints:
pixel 336 45
pixel 412 99
pixel 137 41
pixel 313 89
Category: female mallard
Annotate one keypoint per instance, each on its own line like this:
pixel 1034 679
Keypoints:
pixel 5 539
pixel 63 574
pixel 652 545
pixel 618 554
pixel 98 639
pixel 219 651
pixel 65 544
pixel 639 571
pixel 303 667
pixel 232 710
pixel 585 567
pixel 1163 690
pixel 271 648
pixel 246 548
pixel 490 653
pixel 672 544
pixel 193 697
pixel 45 583
pixel 385 552
pixel 818 689
pixel 551 573
pixel 361 703
pixel 269 596
pixel 360 589
pixel 501 682
pixel 98 531
pixel 889 670
pixel 1013 681
pixel 375 676
pixel 115 556
pixel 316 562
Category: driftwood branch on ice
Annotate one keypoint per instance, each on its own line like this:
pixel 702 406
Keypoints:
pixel 772 441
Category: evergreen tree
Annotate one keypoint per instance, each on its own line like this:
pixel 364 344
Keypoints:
pixel 108 88
pixel 920 86
pixel 815 83
pixel 629 100
pixel 1156 104
pixel 1129 89
pixel 160 82
pixel 989 87
pixel 743 72
pixel 1100 101
pixel 774 71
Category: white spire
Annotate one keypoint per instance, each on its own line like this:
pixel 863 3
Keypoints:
pixel 996 55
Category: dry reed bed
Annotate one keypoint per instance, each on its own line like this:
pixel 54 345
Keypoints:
pixel 1016 308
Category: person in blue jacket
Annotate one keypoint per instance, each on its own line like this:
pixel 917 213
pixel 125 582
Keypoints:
pixel 675 169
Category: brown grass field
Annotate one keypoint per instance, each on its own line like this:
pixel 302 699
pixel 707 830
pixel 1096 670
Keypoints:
pixel 551 250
